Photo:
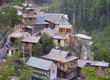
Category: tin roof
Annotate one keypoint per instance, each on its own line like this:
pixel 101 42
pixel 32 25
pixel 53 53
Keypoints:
pixel 59 55
pixel 18 7
pixel 83 36
pixel 82 63
pixel 39 63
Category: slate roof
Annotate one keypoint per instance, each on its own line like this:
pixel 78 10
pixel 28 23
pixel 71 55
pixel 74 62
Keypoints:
pixel 59 55
pixel 31 39
pixel 41 20
pixel 18 34
pixel 39 63
pixel 55 18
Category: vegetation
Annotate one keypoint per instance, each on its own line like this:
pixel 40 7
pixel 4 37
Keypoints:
pixel 91 74
pixel 44 46
pixel 101 45
pixel 13 66
pixel 37 50
pixel 8 19
pixel 9 16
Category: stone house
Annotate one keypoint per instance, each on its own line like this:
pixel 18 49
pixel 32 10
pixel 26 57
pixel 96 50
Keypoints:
pixel 85 43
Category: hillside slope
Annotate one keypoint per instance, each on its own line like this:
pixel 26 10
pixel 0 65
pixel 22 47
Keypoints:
pixel 102 36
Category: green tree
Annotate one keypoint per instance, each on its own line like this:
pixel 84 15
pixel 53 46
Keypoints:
pixel 8 19
pixel 101 52
pixel 44 46
pixel 16 2
pixel 26 73
pixel 14 66
pixel 37 50
pixel 47 43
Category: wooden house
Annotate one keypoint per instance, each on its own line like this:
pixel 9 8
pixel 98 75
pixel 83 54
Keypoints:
pixel 42 69
pixel 28 42
pixel 54 19
pixel 29 16
pixel 66 63
pixel 17 35
pixel 61 34
pixel 39 25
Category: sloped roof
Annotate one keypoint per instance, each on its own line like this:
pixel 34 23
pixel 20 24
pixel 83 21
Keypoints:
pixel 29 16
pixel 39 63
pixel 82 63
pixel 40 20
pixel 83 36
pixel 55 18
pixel 60 36
pixel 59 55
pixel 65 26
pixel 18 7
pixel 54 34
pixel 100 63
pixel 31 39
pixel 18 34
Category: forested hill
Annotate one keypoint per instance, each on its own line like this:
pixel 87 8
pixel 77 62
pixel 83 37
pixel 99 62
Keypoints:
pixel 85 14
pixel 92 16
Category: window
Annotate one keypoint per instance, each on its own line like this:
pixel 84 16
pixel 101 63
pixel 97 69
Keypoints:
pixel 61 30
pixel 68 30
pixel 30 19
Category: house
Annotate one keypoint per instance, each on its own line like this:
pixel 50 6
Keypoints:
pixel 17 35
pixel 85 43
pixel 61 34
pixel 66 63
pixel 28 41
pixel 39 24
pixel 42 69
pixel 29 16
pixel 54 19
